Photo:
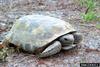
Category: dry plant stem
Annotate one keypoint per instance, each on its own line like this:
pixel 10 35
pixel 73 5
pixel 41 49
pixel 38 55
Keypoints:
pixel 87 10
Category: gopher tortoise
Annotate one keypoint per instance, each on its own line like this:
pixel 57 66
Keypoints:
pixel 42 35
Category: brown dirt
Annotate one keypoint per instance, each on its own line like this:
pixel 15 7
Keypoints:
pixel 87 52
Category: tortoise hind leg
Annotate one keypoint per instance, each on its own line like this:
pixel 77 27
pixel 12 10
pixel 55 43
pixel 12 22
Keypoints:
pixel 51 50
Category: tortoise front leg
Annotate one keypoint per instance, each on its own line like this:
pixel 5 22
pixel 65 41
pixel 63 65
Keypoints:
pixel 51 50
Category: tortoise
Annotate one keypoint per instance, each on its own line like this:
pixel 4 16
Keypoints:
pixel 43 35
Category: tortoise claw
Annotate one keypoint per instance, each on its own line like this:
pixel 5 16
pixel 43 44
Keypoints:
pixel 68 47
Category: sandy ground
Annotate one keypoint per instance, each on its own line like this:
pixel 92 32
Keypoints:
pixel 88 50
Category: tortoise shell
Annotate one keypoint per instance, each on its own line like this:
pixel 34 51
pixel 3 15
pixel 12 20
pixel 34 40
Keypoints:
pixel 37 31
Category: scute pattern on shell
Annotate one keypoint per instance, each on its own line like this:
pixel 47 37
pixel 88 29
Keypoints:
pixel 37 30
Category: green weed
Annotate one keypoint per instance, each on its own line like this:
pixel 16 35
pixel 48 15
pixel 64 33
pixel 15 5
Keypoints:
pixel 89 14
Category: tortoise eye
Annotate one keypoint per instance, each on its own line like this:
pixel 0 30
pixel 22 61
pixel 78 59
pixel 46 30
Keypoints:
pixel 65 39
